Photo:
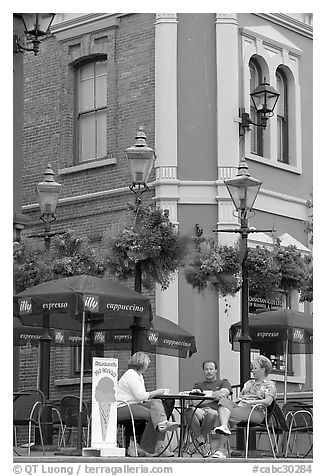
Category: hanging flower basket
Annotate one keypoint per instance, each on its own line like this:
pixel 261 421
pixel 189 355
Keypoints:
pixel 270 269
pixel 214 267
pixel 151 240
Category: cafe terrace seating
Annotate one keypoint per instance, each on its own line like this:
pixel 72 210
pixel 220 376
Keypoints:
pixel 27 411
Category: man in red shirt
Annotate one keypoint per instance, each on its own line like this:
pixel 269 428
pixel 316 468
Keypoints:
pixel 201 420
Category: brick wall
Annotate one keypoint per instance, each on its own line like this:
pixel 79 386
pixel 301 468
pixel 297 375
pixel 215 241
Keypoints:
pixel 49 137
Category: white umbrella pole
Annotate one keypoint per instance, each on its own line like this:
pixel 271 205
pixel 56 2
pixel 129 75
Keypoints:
pixel 286 366
pixel 82 352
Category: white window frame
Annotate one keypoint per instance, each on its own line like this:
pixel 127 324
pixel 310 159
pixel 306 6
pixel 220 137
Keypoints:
pixel 271 54
pixel 94 110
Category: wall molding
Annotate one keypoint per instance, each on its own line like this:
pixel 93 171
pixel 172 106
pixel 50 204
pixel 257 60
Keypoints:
pixel 202 192
pixel 288 22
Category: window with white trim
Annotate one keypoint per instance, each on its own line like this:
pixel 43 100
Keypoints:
pixel 278 59
pixel 256 133
pixel 282 118
pixel 91 111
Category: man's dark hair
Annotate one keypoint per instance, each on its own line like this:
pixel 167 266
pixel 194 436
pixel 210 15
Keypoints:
pixel 210 361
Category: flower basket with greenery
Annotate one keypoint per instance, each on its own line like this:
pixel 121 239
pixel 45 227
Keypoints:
pixel 214 266
pixel 151 240
pixel 70 255
pixel 270 269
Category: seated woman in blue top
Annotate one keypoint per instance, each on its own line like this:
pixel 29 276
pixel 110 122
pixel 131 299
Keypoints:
pixel 131 389
pixel 258 390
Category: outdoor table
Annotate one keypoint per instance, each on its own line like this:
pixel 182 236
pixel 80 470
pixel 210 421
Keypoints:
pixel 183 398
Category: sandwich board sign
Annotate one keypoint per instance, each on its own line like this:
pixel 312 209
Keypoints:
pixel 104 406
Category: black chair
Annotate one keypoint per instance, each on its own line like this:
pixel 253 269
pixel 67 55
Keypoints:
pixel 69 413
pixel 57 426
pixel 266 426
pixel 300 421
pixel 27 411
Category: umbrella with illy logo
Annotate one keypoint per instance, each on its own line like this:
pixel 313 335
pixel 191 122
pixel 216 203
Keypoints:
pixel 72 303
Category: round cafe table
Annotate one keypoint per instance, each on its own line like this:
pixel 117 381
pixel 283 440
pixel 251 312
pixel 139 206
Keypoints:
pixel 183 398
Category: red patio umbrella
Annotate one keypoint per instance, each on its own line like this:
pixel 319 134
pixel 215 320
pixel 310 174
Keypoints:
pixel 70 303
pixel 164 337
pixel 279 331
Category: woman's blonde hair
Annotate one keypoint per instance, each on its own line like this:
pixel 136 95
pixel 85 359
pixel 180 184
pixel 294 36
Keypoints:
pixel 264 363
pixel 139 361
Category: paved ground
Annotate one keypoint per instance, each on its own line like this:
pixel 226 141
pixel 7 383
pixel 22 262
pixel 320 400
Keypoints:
pixel 50 457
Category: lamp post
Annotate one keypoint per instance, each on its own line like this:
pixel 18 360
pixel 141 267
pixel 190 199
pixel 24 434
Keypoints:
pixel 36 25
pixel 140 159
pixel 48 193
pixel 243 190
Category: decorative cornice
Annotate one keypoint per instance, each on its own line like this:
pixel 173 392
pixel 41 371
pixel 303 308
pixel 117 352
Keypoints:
pixel 166 18
pixel 288 22
pixel 226 18
pixel 83 20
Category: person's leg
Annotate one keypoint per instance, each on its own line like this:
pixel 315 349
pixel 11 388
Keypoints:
pixel 210 421
pixel 158 414
pixel 139 411
pixel 194 419
pixel 152 439
pixel 225 407
pixel 239 414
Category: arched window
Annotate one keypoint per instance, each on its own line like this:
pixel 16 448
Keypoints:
pixel 256 132
pixel 91 110
pixel 282 118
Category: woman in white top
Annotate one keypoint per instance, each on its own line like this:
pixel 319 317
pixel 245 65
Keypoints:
pixel 131 389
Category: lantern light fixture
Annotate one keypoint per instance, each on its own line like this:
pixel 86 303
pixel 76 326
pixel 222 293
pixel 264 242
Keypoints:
pixel 140 160
pixel 36 25
pixel 48 193
pixel 264 98
pixel 243 189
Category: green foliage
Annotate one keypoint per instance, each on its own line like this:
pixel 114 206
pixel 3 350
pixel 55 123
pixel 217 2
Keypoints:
pixel 307 285
pixel 264 273
pixel 270 269
pixel 151 240
pixel 215 267
pixel 292 266
pixel 70 255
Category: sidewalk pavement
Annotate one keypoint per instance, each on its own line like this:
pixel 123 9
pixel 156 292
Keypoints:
pixel 50 457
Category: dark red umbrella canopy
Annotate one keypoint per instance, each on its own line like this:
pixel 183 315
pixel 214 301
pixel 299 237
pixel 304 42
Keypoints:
pixel 65 299
pixel 31 335
pixel 165 337
pixel 271 329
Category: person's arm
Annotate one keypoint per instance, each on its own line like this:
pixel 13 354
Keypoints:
pixel 156 393
pixel 264 401
pixel 222 392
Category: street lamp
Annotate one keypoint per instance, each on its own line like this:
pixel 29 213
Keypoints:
pixel 140 160
pixel 264 98
pixel 243 190
pixel 48 193
pixel 35 25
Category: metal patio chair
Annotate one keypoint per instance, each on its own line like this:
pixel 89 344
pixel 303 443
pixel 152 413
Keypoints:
pixel 27 411
pixel 300 421
pixel 69 412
